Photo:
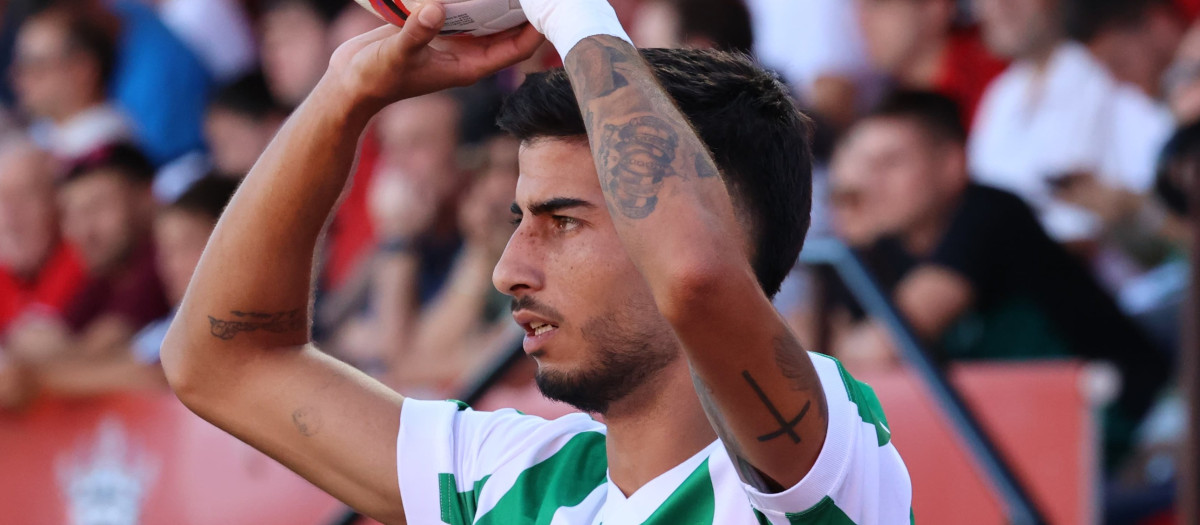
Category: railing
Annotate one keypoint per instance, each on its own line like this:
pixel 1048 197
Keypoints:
pixel 1021 508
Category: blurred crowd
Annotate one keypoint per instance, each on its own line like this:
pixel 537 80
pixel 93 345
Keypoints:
pixel 1014 173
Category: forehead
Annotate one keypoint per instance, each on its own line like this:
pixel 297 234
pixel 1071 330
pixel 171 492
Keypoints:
pixel 552 168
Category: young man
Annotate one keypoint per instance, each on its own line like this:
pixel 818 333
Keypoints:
pixel 64 62
pixel 970 267
pixel 107 210
pixel 639 273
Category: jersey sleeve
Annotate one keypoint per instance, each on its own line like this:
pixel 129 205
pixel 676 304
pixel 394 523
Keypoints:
pixel 858 478
pixel 446 453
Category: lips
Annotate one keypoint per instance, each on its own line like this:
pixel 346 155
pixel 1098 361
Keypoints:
pixel 538 329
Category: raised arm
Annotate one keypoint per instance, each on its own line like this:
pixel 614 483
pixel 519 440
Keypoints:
pixel 238 353
pixel 758 385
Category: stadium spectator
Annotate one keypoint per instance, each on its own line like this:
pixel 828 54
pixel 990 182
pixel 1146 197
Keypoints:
pixel 414 196
pixel 242 118
pixel 107 211
pixel 464 325
pixel 64 61
pixel 918 44
pixel 181 231
pixel 37 269
pixel 1056 115
pixel 701 24
pixel 1134 39
pixel 295 45
pixel 818 46
pixel 968 265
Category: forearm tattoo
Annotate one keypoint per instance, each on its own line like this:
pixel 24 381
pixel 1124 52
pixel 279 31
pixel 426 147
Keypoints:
pixel 638 139
pixel 277 322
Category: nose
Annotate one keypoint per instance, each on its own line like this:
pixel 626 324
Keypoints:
pixel 519 270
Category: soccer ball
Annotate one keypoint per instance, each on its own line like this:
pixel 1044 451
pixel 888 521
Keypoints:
pixel 463 17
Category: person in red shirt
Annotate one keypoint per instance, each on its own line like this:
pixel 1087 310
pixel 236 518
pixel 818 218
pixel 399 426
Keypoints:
pixel 37 270
pixel 107 211
pixel 917 43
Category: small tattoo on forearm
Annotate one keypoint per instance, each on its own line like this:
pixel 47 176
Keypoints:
pixel 278 322
pixel 787 427
pixel 307 421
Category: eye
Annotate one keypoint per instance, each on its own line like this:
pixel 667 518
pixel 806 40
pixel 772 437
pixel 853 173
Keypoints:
pixel 515 221
pixel 565 223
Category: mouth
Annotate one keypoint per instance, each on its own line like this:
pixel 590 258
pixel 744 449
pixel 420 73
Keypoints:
pixel 537 328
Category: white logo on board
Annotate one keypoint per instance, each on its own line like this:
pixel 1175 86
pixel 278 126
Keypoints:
pixel 105 479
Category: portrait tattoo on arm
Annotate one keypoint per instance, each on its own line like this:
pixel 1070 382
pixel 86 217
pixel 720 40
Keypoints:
pixel 277 322
pixel 637 145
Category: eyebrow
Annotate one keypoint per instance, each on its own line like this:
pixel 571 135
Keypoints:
pixel 552 205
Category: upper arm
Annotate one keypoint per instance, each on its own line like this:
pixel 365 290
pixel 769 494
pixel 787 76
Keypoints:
pixel 326 421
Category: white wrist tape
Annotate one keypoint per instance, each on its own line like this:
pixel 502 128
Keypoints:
pixel 566 22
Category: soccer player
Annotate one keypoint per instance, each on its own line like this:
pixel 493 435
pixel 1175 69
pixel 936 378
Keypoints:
pixel 641 268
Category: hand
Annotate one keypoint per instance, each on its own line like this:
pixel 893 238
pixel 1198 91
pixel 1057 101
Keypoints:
pixel 37 338
pixel 390 63
pixel 1087 191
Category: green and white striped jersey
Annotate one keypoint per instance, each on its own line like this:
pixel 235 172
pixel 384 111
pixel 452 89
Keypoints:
pixel 458 466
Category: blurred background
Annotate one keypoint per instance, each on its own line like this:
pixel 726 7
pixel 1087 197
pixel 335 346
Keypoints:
pixel 1000 240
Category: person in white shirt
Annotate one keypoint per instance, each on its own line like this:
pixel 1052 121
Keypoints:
pixel 640 269
pixel 1057 118
pixel 63 61
pixel 818 46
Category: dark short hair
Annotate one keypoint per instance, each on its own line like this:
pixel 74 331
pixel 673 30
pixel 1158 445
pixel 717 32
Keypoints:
pixel 743 113
pixel 248 96
pixel 208 197
pixel 725 22
pixel 90 30
pixel 124 159
pixel 938 116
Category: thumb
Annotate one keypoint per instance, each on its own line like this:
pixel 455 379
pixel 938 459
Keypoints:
pixel 422 26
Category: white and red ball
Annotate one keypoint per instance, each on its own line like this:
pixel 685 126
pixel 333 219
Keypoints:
pixel 463 17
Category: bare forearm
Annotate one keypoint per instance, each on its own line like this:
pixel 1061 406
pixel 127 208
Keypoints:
pixel 253 282
pixel 676 220
pixel 645 150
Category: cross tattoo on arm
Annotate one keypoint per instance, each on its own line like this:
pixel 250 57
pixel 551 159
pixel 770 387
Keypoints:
pixel 786 427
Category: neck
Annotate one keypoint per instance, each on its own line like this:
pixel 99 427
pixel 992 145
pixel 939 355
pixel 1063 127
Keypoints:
pixel 656 429
pixel 923 71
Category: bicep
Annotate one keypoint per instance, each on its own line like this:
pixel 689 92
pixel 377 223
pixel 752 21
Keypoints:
pixel 328 422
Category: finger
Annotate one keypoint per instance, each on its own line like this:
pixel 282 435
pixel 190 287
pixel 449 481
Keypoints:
pixel 510 51
pixel 422 26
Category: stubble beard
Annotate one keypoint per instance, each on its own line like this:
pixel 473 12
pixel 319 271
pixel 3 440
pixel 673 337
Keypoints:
pixel 623 355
